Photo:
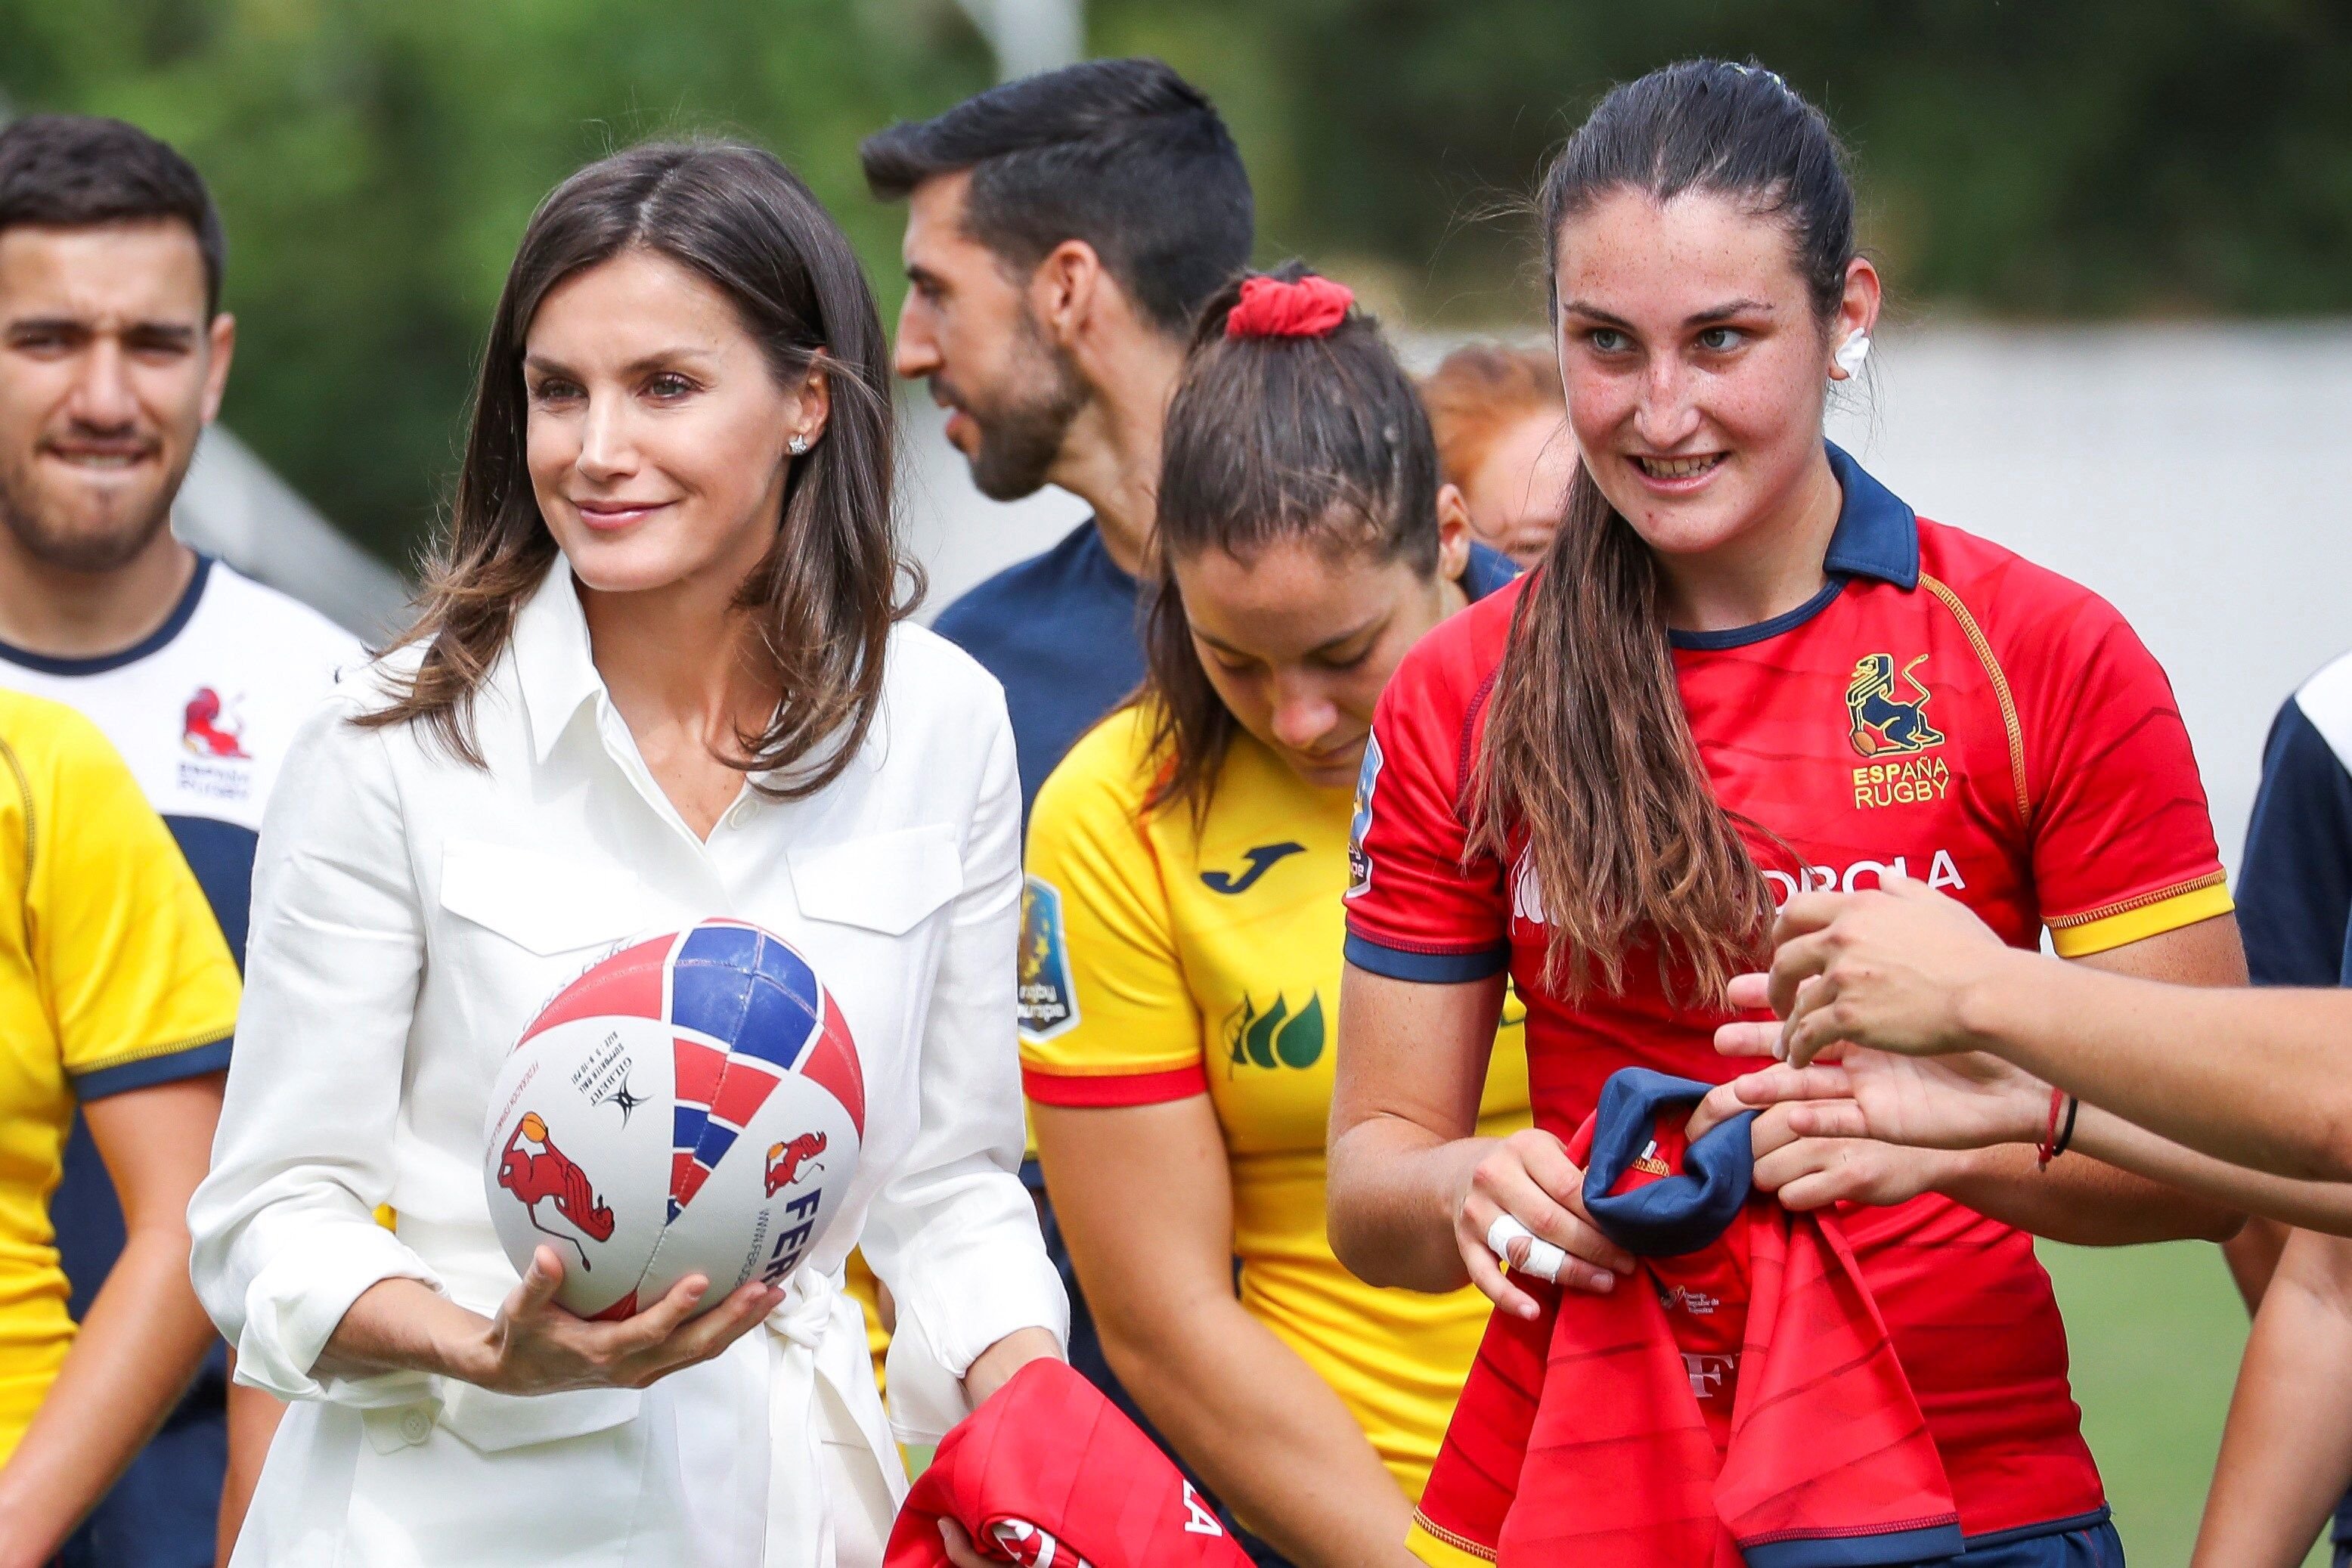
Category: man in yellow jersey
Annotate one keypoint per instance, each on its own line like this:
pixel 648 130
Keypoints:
pixel 118 995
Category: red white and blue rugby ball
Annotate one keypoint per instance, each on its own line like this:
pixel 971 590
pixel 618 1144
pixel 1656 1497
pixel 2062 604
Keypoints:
pixel 691 1105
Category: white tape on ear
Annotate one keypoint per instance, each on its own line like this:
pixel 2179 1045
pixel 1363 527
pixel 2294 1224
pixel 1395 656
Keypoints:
pixel 1853 352
pixel 1544 1260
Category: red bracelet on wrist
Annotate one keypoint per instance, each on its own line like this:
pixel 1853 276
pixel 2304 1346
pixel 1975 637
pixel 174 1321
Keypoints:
pixel 2048 1149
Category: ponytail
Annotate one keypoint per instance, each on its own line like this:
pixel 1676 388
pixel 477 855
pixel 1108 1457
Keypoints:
pixel 1292 419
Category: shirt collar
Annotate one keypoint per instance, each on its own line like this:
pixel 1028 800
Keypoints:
pixel 1487 570
pixel 147 647
pixel 552 658
pixel 1877 533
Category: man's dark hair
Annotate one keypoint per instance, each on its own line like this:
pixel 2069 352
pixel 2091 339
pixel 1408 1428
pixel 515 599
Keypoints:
pixel 70 171
pixel 1124 155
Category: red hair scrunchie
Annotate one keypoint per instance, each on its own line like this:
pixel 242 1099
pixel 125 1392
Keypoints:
pixel 1272 308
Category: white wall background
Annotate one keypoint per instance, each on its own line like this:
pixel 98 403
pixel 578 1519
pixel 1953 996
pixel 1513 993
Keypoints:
pixel 2195 476
pixel 2192 476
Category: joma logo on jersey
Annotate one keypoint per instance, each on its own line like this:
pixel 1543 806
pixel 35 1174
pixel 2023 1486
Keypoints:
pixel 1883 717
pixel 1258 862
pixel 1943 871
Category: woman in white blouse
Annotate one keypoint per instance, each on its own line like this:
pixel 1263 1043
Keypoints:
pixel 661 673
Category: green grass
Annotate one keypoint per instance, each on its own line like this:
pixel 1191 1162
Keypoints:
pixel 2156 1333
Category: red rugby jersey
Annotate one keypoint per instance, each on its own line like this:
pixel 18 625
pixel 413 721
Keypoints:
pixel 1942 709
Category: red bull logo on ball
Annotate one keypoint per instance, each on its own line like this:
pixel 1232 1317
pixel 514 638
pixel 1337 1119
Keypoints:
pixel 550 1176
pixel 785 1160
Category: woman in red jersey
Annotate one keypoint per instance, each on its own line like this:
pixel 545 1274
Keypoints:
pixel 1746 669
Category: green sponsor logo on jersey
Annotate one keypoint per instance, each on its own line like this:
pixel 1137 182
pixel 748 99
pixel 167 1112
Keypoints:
pixel 1276 1036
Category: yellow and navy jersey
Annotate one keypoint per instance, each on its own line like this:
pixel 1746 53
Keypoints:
pixel 114 976
pixel 1162 958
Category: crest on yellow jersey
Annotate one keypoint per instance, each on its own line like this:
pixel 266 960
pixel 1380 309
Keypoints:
pixel 1048 1003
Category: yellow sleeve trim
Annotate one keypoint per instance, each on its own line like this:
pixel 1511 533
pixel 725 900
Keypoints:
pixel 2136 919
pixel 211 1037
pixel 1443 1548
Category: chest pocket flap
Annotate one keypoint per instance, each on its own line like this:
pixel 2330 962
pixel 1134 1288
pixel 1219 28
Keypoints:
pixel 543 904
pixel 885 881
pixel 495 1422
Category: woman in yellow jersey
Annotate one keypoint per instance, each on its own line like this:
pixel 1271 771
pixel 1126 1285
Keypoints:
pixel 1181 949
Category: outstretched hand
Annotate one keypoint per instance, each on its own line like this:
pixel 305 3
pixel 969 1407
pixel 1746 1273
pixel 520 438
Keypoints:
pixel 1808 1172
pixel 1965 1100
pixel 1892 969
pixel 534 1346
pixel 1856 979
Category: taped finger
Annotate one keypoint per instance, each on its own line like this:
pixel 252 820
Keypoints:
pixel 1536 1256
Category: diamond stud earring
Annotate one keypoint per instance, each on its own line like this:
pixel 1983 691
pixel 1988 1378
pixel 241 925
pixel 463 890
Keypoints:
pixel 798 447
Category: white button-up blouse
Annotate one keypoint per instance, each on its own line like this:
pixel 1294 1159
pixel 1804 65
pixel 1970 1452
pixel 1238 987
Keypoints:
pixel 411 913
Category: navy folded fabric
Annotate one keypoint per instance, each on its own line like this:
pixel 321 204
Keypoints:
pixel 1676 1214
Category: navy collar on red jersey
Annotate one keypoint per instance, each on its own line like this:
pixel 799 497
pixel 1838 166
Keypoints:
pixel 1487 570
pixel 1877 533
pixel 1878 536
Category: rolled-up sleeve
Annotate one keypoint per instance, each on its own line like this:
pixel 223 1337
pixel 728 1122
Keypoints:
pixel 285 1231
pixel 954 1234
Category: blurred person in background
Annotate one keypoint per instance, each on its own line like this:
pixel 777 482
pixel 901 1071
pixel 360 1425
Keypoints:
pixel 1747 666
pixel 1063 231
pixel 118 996
pixel 115 355
pixel 1186 861
pixel 2286 1458
pixel 1504 442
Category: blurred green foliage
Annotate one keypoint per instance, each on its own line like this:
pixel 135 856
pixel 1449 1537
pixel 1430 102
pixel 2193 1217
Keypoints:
pixel 376 159
pixel 375 162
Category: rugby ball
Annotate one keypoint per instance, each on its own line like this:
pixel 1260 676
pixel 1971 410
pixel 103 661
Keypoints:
pixel 693 1104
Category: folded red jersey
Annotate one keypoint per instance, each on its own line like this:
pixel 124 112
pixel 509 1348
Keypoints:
pixel 1735 1401
pixel 1049 1474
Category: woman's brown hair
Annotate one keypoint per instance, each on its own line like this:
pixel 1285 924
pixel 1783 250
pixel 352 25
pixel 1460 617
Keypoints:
pixel 823 599
pixel 1588 752
pixel 1317 435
